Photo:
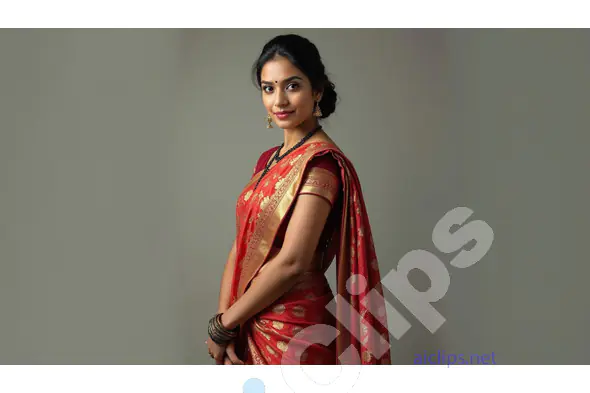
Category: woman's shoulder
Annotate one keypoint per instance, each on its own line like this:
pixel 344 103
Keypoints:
pixel 325 161
pixel 265 155
pixel 324 155
pixel 263 158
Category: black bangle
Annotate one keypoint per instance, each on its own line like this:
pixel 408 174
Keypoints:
pixel 218 333
pixel 223 328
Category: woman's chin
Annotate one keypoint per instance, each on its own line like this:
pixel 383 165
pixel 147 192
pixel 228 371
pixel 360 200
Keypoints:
pixel 287 123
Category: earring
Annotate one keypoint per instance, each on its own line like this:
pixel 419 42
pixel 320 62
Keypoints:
pixel 317 111
pixel 269 121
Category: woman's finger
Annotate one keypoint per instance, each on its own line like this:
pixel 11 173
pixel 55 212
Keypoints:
pixel 227 362
pixel 231 353
pixel 219 357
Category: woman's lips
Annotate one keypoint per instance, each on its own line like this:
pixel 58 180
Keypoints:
pixel 283 115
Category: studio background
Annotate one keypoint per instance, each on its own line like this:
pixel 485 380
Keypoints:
pixel 122 153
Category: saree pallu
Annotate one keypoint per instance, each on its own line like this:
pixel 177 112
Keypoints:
pixel 308 324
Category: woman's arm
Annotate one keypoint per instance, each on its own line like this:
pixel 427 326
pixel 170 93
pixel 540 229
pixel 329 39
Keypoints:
pixel 226 280
pixel 301 239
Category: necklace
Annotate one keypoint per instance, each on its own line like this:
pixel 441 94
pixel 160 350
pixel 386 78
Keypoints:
pixel 278 157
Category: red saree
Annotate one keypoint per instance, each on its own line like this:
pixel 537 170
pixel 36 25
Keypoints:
pixel 307 325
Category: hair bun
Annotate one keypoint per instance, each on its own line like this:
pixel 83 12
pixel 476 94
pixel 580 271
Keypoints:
pixel 329 98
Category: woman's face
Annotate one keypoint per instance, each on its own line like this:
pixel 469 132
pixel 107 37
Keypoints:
pixel 286 93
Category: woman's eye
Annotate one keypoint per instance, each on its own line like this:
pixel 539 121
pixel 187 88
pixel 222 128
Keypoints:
pixel 267 89
pixel 293 85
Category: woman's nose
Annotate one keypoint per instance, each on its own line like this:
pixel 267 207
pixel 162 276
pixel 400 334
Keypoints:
pixel 281 99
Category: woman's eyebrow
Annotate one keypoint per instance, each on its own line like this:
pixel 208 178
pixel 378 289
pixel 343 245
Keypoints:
pixel 289 79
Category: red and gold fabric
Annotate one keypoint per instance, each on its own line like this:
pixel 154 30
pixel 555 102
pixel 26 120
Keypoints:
pixel 277 334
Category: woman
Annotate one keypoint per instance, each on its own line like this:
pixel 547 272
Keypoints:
pixel 302 207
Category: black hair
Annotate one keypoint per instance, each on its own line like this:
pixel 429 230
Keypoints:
pixel 304 55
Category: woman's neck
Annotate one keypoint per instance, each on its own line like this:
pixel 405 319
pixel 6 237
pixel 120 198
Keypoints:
pixel 294 135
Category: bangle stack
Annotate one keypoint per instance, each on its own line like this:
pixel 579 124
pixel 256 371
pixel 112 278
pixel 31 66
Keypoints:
pixel 218 333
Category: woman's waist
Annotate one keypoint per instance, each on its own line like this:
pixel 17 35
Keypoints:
pixel 306 300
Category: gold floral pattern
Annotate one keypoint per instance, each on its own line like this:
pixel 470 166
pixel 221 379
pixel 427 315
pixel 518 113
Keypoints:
pixel 270 350
pixel 278 325
pixel 367 356
pixel 248 195
pixel 279 183
pixel 294 159
pixel 278 309
pixel 262 332
pixel 264 202
pixel 256 358
pixel 282 346
pixel 298 311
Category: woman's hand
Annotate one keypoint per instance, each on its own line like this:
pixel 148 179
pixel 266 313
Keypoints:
pixel 216 351
pixel 230 355
pixel 223 354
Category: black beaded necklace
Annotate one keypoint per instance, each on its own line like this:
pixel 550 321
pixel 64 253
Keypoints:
pixel 278 158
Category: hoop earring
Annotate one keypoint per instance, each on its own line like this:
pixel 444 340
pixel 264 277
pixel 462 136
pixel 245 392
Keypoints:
pixel 269 121
pixel 317 111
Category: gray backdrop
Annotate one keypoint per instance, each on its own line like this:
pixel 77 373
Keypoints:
pixel 122 153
